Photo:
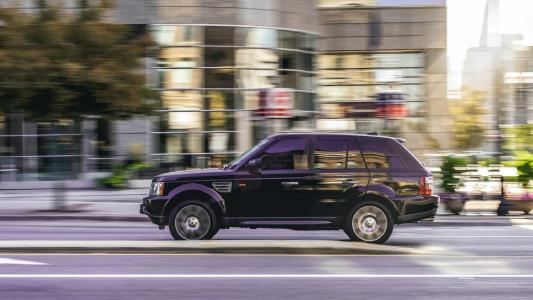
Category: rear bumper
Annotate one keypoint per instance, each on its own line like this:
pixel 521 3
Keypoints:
pixel 417 216
pixel 419 208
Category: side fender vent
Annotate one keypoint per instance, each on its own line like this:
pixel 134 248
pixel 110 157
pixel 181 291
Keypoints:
pixel 222 186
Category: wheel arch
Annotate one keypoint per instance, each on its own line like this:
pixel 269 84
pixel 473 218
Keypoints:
pixel 378 198
pixel 197 192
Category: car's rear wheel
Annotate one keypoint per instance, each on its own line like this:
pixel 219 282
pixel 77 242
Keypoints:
pixel 369 222
pixel 192 220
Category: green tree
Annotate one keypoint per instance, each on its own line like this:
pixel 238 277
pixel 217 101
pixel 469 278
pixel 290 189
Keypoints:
pixel 55 65
pixel 468 126
pixel 449 171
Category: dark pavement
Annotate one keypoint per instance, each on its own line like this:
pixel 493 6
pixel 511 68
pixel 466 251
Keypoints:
pixel 462 257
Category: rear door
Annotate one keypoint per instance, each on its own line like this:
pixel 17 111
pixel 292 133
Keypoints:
pixel 340 174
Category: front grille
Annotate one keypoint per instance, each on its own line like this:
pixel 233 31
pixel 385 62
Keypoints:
pixel 222 186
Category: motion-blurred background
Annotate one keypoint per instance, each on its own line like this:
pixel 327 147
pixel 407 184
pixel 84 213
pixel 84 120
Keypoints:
pixel 106 94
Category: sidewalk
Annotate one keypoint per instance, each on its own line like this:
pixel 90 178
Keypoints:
pixel 103 205
pixel 113 205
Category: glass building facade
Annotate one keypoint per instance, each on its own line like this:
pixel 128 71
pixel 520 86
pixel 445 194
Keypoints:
pixel 351 85
pixel 209 78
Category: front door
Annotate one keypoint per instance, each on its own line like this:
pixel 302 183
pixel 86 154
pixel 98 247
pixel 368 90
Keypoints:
pixel 281 188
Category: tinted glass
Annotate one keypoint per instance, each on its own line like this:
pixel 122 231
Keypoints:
pixel 337 154
pixel 330 154
pixel 286 154
pixel 355 159
pixel 378 154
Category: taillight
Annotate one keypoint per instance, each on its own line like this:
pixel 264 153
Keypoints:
pixel 426 186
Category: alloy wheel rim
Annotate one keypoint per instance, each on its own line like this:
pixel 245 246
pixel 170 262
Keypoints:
pixel 192 222
pixel 369 223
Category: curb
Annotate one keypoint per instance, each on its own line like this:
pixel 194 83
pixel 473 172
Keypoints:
pixel 113 218
pixel 205 247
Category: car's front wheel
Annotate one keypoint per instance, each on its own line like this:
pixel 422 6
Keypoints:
pixel 369 222
pixel 192 220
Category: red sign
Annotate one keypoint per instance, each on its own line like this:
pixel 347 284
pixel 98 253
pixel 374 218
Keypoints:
pixel 275 103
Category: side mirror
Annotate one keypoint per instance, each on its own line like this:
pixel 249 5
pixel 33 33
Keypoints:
pixel 254 165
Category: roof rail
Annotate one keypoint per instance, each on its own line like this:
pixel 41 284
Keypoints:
pixel 401 140
pixel 372 133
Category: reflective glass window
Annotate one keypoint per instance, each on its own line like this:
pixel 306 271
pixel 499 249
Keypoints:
pixel 219 57
pixel 219 78
pixel 219 35
pixel 170 57
pixel 256 37
pixel 286 154
pixel 173 35
pixel 333 153
pixel 287 39
pixel 330 153
pixel 304 81
pixel 180 78
pixel 378 154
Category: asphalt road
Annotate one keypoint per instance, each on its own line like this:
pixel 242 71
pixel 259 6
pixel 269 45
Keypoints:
pixel 465 258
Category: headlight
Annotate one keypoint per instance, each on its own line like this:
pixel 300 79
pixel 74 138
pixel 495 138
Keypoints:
pixel 157 188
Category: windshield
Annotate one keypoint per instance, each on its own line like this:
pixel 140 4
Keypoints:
pixel 247 153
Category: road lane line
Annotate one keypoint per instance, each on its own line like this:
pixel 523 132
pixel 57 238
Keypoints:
pixel 269 255
pixel 459 236
pixel 10 261
pixel 530 227
pixel 254 276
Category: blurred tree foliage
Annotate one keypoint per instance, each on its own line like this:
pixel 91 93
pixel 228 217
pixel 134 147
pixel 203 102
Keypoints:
pixel 468 126
pixel 56 65
pixel 449 171
pixel 518 138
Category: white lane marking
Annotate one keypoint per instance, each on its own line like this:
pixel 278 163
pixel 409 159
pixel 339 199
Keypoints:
pixel 252 276
pixel 10 261
pixel 461 236
pixel 530 227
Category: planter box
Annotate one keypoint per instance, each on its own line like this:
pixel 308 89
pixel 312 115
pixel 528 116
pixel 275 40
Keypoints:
pixel 521 205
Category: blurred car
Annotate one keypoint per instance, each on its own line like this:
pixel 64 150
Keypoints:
pixel 363 184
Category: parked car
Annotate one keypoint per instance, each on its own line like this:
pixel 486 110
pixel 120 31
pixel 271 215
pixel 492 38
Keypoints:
pixel 363 184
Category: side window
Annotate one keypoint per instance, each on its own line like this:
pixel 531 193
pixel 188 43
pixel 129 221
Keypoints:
pixel 337 154
pixel 355 159
pixel 378 154
pixel 330 153
pixel 286 154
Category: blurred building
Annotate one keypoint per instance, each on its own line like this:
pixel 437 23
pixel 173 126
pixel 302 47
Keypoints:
pixel 502 69
pixel 215 59
pixel 231 72
pixel 382 67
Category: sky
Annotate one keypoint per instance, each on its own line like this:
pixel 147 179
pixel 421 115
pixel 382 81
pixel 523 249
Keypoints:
pixel 465 19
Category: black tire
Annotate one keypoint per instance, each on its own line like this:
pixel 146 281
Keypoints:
pixel 197 221
pixel 375 223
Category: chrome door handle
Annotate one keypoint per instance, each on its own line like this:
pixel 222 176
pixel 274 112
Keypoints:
pixel 349 182
pixel 289 183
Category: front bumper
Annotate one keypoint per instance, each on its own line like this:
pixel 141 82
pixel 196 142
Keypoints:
pixel 152 207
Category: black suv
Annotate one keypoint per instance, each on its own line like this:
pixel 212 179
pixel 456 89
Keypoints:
pixel 363 184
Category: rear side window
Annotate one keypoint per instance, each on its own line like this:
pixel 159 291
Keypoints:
pixel 286 154
pixel 379 154
pixel 336 153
